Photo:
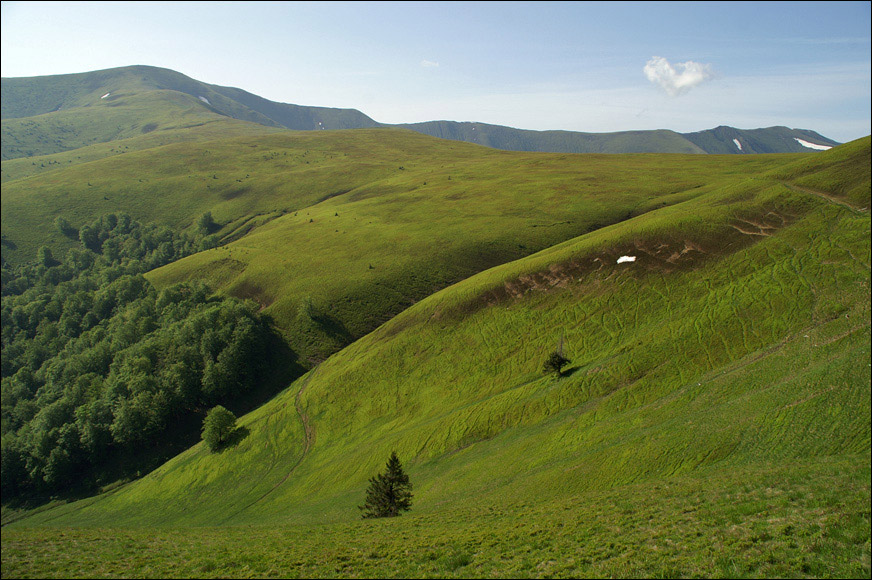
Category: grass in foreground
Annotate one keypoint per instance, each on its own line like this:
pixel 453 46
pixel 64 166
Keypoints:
pixel 802 519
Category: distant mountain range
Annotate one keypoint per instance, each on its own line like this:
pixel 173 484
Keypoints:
pixel 35 96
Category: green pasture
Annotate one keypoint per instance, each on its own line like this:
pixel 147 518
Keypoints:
pixel 247 178
pixel 218 128
pixel 362 255
pixel 739 335
pixel 714 420
pixel 119 117
pixel 335 232
pixel 807 518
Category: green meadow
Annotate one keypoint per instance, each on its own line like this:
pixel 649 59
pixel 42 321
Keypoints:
pixel 141 134
pixel 713 421
pixel 798 519
pixel 312 222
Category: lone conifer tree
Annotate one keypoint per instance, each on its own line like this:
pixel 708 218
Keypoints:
pixel 389 493
pixel 556 361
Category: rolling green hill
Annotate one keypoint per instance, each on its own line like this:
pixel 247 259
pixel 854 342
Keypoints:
pixel 85 100
pixel 349 200
pixel 511 139
pixel 771 140
pixel 714 419
pixel 157 117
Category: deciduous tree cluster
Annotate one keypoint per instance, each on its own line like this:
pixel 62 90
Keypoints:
pixel 97 364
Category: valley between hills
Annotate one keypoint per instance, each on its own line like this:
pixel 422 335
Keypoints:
pixel 350 289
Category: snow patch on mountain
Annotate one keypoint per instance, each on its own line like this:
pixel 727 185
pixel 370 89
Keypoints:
pixel 812 145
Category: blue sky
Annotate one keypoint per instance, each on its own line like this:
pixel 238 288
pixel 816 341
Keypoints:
pixel 597 67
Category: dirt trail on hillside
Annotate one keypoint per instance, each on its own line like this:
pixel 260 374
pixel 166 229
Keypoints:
pixel 308 441
pixel 824 195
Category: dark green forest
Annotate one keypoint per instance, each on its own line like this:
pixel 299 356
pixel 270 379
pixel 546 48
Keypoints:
pixel 104 375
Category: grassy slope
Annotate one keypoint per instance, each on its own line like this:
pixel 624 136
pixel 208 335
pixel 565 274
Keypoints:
pixel 451 217
pixel 120 116
pixel 729 383
pixel 240 177
pixel 455 208
pixel 42 115
pixel 32 96
pixel 181 120
pixel 173 184
pixel 797 520
pixel 46 115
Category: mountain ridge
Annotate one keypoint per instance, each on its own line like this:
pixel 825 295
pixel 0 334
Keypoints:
pixel 25 97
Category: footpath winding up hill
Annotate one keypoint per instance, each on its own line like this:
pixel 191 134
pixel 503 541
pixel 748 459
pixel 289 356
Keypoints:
pixel 713 420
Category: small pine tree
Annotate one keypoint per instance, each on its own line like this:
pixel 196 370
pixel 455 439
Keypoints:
pixel 556 361
pixel 218 426
pixel 389 493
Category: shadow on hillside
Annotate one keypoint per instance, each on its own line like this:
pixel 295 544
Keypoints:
pixel 333 328
pixel 281 367
pixel 569 372
pixel 239 434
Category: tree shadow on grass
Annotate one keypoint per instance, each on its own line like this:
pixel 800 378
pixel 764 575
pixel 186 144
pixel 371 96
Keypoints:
pixel 235 438
pixel 333 328
pixel 281 368
pixel 569 372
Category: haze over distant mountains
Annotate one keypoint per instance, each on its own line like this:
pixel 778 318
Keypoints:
pixel 34 96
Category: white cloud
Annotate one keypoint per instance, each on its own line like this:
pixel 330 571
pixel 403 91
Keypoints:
pixel 659 71
pixel 429 64
pixel 801 98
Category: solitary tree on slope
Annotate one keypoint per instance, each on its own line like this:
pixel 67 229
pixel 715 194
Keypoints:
pixel 556 361
pixel 218 426
pixel 389 493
